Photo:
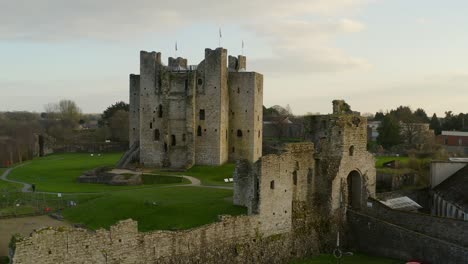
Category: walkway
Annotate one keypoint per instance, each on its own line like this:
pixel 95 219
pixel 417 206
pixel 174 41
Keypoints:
pixel 26 186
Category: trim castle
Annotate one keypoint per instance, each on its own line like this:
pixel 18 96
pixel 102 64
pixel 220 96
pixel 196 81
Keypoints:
pixel 207 114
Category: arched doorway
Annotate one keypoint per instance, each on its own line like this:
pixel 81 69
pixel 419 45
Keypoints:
pixel 354 189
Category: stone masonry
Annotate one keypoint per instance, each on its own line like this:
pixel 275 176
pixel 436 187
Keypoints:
pixel 206 114
pixel 296 201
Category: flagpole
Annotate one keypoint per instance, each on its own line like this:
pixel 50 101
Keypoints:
pixel 242 51
pixel 220 36
pixel 176 49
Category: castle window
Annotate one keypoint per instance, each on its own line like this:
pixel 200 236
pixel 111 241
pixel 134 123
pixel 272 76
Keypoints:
pixel 239 133
pixel 233 149
pixel 202 114
pixel 272 185
pixel 151 125
pixel 160 111
pixel 186 85
pixel 184 138
pixel 200 81
pixel 173 140
pixel 351 151
pixel 258 118
pixel 295 177
pixel 156 135
pixel 159 82
pixel 238 90
pixel 310 174
pixel 165 147
pixel 199 131
pixel 259 134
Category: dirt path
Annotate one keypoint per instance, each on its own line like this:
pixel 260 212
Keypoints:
pixel 23 226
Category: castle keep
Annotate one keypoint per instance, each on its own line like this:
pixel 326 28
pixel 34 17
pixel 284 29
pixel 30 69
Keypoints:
pixel 207 114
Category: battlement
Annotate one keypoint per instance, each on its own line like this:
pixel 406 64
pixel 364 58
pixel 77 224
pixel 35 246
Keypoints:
pixel 177 63
pixel 237 64
pixel 220 51
pixel 149 57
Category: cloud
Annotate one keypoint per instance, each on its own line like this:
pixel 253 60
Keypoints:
pixel 62 19
pixel 300 33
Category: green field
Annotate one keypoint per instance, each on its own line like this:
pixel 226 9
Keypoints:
pixel 157 204
pixel 158 208
pixel 355 259
pixel 59 173
pixel 381 160
pixel 209 175
pixel 4 185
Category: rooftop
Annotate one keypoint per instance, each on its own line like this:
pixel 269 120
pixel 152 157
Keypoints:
pixel 455 188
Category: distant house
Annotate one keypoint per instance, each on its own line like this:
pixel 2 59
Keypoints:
pixel 449 182
pixel 372 132
pixel 454 141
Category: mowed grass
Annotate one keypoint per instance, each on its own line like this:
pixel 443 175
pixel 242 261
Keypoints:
pixel 8 186
pixel 160 208
pixel 208 175
pixel 379 161
pixel 355 259
pixel 60 172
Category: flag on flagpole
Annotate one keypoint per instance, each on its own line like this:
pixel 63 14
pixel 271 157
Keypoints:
pixel 220 35
pixel 176 45
pixel 242 43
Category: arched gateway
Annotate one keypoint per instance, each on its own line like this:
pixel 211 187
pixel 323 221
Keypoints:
pixel 354 181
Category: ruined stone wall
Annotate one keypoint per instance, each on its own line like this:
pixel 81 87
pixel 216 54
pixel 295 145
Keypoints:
pixel 341 141
pixel 134 110
pixel 233 240
pixel 245 115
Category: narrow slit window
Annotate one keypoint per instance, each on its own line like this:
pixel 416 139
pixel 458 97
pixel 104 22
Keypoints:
pixel 202 114
pixel 295 177
pixel 173 140
pixel 199 131
pixel 160 111
pixel 239 133
pixel 184 138
pixel 151 125
pixel 156 135
pixel 272 185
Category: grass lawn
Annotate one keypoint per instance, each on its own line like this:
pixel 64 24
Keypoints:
pixel 208 175
pixel 8 186
pixel 156 208
pixel 355 259
pixel 381 160
pixel 59 172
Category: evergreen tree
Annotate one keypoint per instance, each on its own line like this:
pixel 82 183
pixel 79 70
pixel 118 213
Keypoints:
pixel 389 132
pixel 435 124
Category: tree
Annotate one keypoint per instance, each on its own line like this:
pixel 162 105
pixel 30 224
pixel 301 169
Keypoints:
pixel 379 116
pixel 389 132
pixel 435 124
pixel 118 125
pixel 111 110
pixel 421 116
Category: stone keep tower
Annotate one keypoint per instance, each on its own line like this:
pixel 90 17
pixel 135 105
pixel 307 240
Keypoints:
pixel 204 114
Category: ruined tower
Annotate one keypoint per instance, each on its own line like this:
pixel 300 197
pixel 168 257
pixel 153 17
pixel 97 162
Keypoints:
pixel 210 113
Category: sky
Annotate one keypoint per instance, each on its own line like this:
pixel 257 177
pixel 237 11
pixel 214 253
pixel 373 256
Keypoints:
pixel 375 54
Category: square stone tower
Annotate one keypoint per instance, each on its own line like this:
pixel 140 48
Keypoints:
pixel 206 114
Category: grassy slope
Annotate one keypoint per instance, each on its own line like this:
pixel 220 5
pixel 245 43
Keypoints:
pixel 9 186
pixel 158 208
pixel 59 172
pixel 355 259
pixel 381 160
pixel 209 175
